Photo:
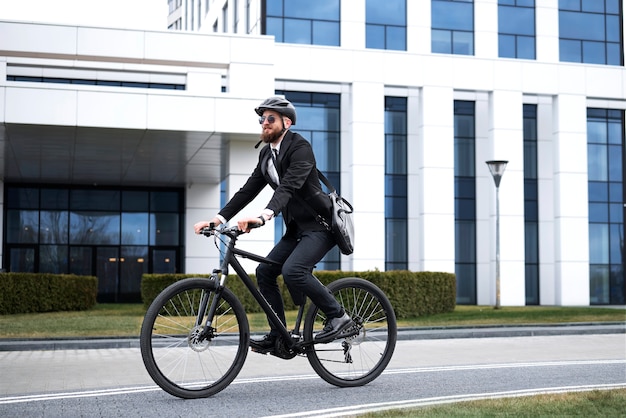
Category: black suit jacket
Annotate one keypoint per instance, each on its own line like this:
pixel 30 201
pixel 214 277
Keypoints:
pixel 298 177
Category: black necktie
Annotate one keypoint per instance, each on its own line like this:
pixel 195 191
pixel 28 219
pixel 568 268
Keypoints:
pixel 273 171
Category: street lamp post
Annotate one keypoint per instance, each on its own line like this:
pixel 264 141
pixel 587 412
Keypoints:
pixel 496 167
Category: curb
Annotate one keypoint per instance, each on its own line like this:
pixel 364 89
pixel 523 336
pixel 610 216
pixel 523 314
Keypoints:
pixel 404 334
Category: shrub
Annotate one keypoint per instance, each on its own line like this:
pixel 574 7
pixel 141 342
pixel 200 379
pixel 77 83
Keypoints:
pixel 412 294
pixel 45 292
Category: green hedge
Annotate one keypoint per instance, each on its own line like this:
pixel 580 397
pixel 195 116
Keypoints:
pixel 43 292
pixel 412 294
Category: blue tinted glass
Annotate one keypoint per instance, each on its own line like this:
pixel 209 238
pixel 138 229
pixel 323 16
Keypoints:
pixel 325 33
pixel 598 191
pixel 613 54
pixel 22 226
pixel 396 38
pixel 597 162
pixel 452 15
pixel 388 12
pixel 441 41
pixel 616 211
pixel 462 43
pixel 101 228
pixel 612 28
pixel 375 36
pixel 570 51
pixel 612 6
pixel 598 212
pixel 464 188
pixel 318 9
pixel 569 5
pixel 516 20
pixel 615 162
pixel 135 228
pixel 596 6
pixel 53 227
pixel 598 243
pixel 164 229
pixel 274 7
pixel 615 133
pixel 164 201
pixel 506 46
pixel 597 132
pixel 395 207
pixel 274 26
pixel 615 192
pixel 465 209
pixel 526 3
pixel 395 185
pixel 594 52
pixel 586 26
pixel 297 31
pixel 526 47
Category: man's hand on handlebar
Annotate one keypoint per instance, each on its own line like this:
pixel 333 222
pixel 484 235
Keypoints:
pixel 199 226
pixel 246 224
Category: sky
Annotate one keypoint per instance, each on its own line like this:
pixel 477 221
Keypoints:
pixel 127 14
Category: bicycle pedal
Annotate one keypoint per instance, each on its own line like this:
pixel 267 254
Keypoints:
pixel 349 332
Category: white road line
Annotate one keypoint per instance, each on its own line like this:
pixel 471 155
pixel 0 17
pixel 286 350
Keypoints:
pixel 414 403
pixel 243 381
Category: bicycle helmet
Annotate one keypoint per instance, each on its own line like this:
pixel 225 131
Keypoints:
pixel 280 105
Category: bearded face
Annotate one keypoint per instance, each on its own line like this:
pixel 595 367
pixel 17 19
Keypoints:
pixel 271 131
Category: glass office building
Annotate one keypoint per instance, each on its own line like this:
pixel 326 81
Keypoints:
pixel 110 157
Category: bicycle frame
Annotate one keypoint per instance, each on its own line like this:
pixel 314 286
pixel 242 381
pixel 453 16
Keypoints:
pixel 230 259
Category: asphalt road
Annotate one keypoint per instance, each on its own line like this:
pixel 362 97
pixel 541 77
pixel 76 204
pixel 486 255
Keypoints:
pixel 111 382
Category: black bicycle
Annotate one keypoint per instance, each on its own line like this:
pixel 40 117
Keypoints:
pixel 195 335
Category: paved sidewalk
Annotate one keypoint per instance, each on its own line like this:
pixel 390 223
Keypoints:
pixel 422 333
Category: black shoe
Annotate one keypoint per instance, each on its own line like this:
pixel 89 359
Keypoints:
pixel 333 327
pixel 264 345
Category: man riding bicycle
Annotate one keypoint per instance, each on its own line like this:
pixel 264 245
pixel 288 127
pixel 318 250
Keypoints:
pixel 287 164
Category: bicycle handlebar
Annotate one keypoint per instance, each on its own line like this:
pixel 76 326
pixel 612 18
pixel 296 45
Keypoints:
pixel 229 231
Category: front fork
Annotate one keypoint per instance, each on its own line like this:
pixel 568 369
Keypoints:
pixel 206 311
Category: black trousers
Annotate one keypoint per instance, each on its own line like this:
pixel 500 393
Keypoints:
pixel 298 254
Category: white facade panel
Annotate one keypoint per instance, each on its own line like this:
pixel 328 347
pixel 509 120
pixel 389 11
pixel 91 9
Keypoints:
pixel 41 106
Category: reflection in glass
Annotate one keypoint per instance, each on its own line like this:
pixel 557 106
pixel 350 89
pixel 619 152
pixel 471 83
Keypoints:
pixel 164 229
pixel 22 226
pixel 53 227
pixel 53 259
pixel 134 228
pixel 81 261
pixel 134 262
pixel 95 228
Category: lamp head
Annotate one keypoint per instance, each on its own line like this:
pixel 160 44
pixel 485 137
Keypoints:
pixel 497 169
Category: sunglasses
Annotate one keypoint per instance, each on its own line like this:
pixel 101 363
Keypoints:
pixel 270 119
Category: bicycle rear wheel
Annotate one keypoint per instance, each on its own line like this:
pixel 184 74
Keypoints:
pixel 358 359
pixel 176 356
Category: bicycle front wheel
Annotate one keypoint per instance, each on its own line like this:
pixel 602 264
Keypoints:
pixel 362 355
pixel 179 355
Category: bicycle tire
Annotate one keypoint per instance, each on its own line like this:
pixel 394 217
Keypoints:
pixel 181 366
pixel 354 360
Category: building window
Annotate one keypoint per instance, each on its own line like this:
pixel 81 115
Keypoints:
pixel 385 24
pixel 516 29
pixel 453 26
pixel 465 201
pixel 605 150
pixel 303 21
pixel 531 206
pixel 319 122
pixel 590 31
pixel 114 234
pixel 396 224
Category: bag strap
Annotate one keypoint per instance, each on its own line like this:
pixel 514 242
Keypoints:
pixel 326 182
pixel 319 218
